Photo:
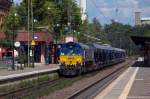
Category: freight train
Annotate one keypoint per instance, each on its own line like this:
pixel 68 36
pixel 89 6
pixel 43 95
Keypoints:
pixel 77 58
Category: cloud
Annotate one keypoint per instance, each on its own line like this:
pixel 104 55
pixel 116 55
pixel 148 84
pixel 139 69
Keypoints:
pixel 145 12
pixel 125 9
pixel 107 9
pixel 17 1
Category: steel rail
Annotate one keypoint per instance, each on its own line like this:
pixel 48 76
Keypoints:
pixel 26 91
pixel 115 73
pixel 25 76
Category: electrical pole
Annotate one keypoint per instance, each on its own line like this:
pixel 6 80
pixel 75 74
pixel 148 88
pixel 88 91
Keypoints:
pixel 69 16
pixel 120 40
pixel 13 42
pixel 28 33
pixel 13 38
pixel 33 42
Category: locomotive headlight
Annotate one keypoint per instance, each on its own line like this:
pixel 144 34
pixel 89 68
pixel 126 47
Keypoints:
pixel 63 63
pixel 62 59
pixel 79 61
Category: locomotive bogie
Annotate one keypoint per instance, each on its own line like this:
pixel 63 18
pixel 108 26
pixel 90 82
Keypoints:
pixel 70 70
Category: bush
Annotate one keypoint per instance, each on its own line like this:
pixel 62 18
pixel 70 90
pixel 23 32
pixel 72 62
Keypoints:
pixel 22 58
pixel 5 43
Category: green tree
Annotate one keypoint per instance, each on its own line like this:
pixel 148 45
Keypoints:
pixel 11 25
pixel 97 31
pixel 70 12
pixel 84 30
pixel 92 30
pixel 119 36
pixel 44 12
pixel 52 12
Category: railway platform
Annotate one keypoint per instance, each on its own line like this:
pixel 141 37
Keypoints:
pixel 6 74
pixel 134 83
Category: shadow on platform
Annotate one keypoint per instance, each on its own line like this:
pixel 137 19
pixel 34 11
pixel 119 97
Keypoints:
pixel 140 64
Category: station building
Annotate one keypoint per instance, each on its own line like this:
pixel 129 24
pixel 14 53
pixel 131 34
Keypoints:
pixel 42 48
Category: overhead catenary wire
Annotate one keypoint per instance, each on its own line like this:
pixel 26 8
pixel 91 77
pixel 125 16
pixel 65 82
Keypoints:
pixel 92 37
pixel 99 11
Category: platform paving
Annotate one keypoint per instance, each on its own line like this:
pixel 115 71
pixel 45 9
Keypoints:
pixel 134 83
pixel 141 85
pixel 38 67
pixel 116 89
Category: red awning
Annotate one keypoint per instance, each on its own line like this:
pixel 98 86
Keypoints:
pixel 38 36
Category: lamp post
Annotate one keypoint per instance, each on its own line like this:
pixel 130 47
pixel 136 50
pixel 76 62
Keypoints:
pixel 57 32
pixel 56 35
pixel 78 35
pixel 13 42
pixel 32 30
pixel 69 26
pixel 74 32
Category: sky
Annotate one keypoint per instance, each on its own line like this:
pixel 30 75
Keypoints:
pixel 119 10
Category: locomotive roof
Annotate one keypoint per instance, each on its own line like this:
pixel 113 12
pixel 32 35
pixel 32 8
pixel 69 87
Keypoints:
pixel 118 49
pixel 97 46
pixel 84 46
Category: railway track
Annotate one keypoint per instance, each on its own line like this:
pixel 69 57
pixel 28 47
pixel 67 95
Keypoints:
pixel 27 91
pixel 89 92
pixel 27 75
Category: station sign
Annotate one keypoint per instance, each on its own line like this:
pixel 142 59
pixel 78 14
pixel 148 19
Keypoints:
pixel 33 42
pixel 31 53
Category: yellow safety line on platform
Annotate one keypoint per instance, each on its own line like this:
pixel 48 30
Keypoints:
pixel 111 86
pixel 128 86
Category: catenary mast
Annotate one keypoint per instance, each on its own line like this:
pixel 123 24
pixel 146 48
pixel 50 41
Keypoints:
pixel 83 7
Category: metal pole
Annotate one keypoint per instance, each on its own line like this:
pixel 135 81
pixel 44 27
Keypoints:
pixel 69 16
pixel 120 40
pixel 32 33
pixel 28 33
pixel 13 38
pixel 13 62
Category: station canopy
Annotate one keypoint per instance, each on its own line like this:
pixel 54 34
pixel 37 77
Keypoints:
pixel 141 41
pixel 144 43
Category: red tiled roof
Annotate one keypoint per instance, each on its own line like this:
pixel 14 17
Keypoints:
pixel 2 35
pixel 5 4
pixel 23 36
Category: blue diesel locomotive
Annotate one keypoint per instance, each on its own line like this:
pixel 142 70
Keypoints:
pixel 77 58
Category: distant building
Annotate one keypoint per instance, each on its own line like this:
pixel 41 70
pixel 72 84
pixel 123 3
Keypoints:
pixel 141 21
pixel 4 8
pixel 137 18
pixel 145 21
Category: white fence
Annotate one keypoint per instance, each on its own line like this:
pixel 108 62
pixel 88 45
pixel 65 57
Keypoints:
pixel 6 62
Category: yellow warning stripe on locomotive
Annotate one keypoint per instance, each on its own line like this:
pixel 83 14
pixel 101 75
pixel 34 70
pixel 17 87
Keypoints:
pixel 71 60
